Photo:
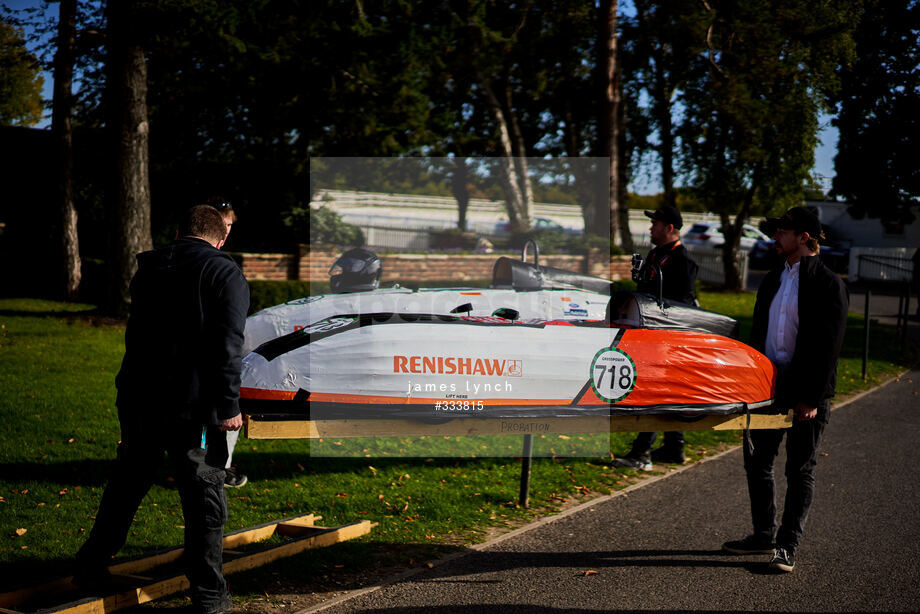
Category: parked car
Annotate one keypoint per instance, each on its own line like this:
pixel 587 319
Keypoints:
pixel 709 234
pixel 539 223
pixel 835 252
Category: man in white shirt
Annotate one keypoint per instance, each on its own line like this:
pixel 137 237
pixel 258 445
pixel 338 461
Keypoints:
pixel 799 322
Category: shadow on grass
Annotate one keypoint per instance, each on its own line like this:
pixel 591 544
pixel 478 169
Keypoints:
pixel 258 466
pixel 93 472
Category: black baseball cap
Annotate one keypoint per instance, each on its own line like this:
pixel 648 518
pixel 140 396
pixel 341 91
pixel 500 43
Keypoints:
pixel 668 215
pixel 798 219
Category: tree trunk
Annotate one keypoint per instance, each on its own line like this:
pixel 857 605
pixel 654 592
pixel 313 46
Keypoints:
pixel 582 170
pixel 666 136
pixel 507 167
pixel 460 189
pixel 661 106
pixel 128 195
pixel 607 124
pixel 519 149
pixel 626 241
pixel 62 129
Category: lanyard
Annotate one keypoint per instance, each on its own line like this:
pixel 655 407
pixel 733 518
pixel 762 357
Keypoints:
pixel 663 260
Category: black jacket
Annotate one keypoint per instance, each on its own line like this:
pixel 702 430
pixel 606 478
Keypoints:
pixel 811 376
pixel 184 335
pixel 678 269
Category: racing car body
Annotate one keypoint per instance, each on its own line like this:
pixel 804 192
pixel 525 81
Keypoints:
pixel 532 347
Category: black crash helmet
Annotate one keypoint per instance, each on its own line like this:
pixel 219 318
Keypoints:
pixel 356 270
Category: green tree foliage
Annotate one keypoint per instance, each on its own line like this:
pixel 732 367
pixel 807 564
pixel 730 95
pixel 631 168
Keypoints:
pixel 879 119
pixel 752 102
pixel 322 225
pixel 20 80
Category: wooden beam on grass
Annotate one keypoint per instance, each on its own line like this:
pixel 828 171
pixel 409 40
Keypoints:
pixel 314 537
pixel 136 566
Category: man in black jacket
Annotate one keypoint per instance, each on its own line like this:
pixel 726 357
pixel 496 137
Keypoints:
pixel 178 392
pixel 672 265
pixel 799 323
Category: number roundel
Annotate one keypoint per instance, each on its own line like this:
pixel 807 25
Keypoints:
pixel 613 374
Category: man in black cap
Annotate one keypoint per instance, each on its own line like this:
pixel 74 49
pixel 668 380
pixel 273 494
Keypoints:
pixel 799 322
pixel 671 262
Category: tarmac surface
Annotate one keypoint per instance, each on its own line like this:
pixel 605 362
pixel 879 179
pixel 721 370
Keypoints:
pixel 657 547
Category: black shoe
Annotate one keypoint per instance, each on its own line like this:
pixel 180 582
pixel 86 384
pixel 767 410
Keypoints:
pixel 234 479
pixel 750 545
pixel 668 455
pixel 783 559
pixel 639 463
pixel 224 605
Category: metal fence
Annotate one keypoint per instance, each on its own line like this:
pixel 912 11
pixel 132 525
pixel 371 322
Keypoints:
pixel 712 270
pixel 385 237
pixel 389 238
pixel 881 263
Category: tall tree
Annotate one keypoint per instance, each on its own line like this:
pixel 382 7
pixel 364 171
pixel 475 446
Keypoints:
pixel 751 107
pixel 879 119
pixel 20 80
pixel 663 43
pixel 494 38
pixel 128 194
pixel 609 112
pixel 62 127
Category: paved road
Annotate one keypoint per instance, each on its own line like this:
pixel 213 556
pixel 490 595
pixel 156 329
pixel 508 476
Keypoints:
pixel 658 547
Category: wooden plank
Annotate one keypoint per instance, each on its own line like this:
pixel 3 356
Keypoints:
pixel 307 429
pixel 167 586
pixel 140 564
pixel 328 538
pixel 14 598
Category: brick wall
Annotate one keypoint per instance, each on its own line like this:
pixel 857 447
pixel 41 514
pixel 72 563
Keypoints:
pixel 313 265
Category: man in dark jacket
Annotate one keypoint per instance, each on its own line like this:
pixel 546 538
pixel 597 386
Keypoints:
pixel 178 392
pixel 672 265
pixel 799 323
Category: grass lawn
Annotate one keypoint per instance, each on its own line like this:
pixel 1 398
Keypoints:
pixel 60 429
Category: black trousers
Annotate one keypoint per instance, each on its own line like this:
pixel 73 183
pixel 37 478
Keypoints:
pixel 760 450
pixel 197 457
pixel 642 444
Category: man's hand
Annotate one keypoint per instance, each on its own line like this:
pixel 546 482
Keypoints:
pixel 232 424
pixel 805 412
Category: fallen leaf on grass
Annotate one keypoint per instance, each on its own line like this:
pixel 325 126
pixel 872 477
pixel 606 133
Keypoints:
pixel 21 532
pixel 588 572
pixel 343 495
pixel 374 471
pixel 823 453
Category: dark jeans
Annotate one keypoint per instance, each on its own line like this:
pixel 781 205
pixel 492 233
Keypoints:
pixel 802 440
pixel 642 444
pixel 198 466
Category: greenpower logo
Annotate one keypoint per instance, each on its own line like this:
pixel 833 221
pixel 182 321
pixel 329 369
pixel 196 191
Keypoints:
pixel 613 374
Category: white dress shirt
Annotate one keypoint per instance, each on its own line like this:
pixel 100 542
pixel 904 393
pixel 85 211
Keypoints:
pixel 784 317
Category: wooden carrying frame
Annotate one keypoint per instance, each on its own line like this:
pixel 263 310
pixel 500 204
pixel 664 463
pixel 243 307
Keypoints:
pixel 139 580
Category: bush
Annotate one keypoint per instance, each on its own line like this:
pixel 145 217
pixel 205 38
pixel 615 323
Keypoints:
pixel 322 226
pixel 560 242
pixel 264 294
pixel 453 238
